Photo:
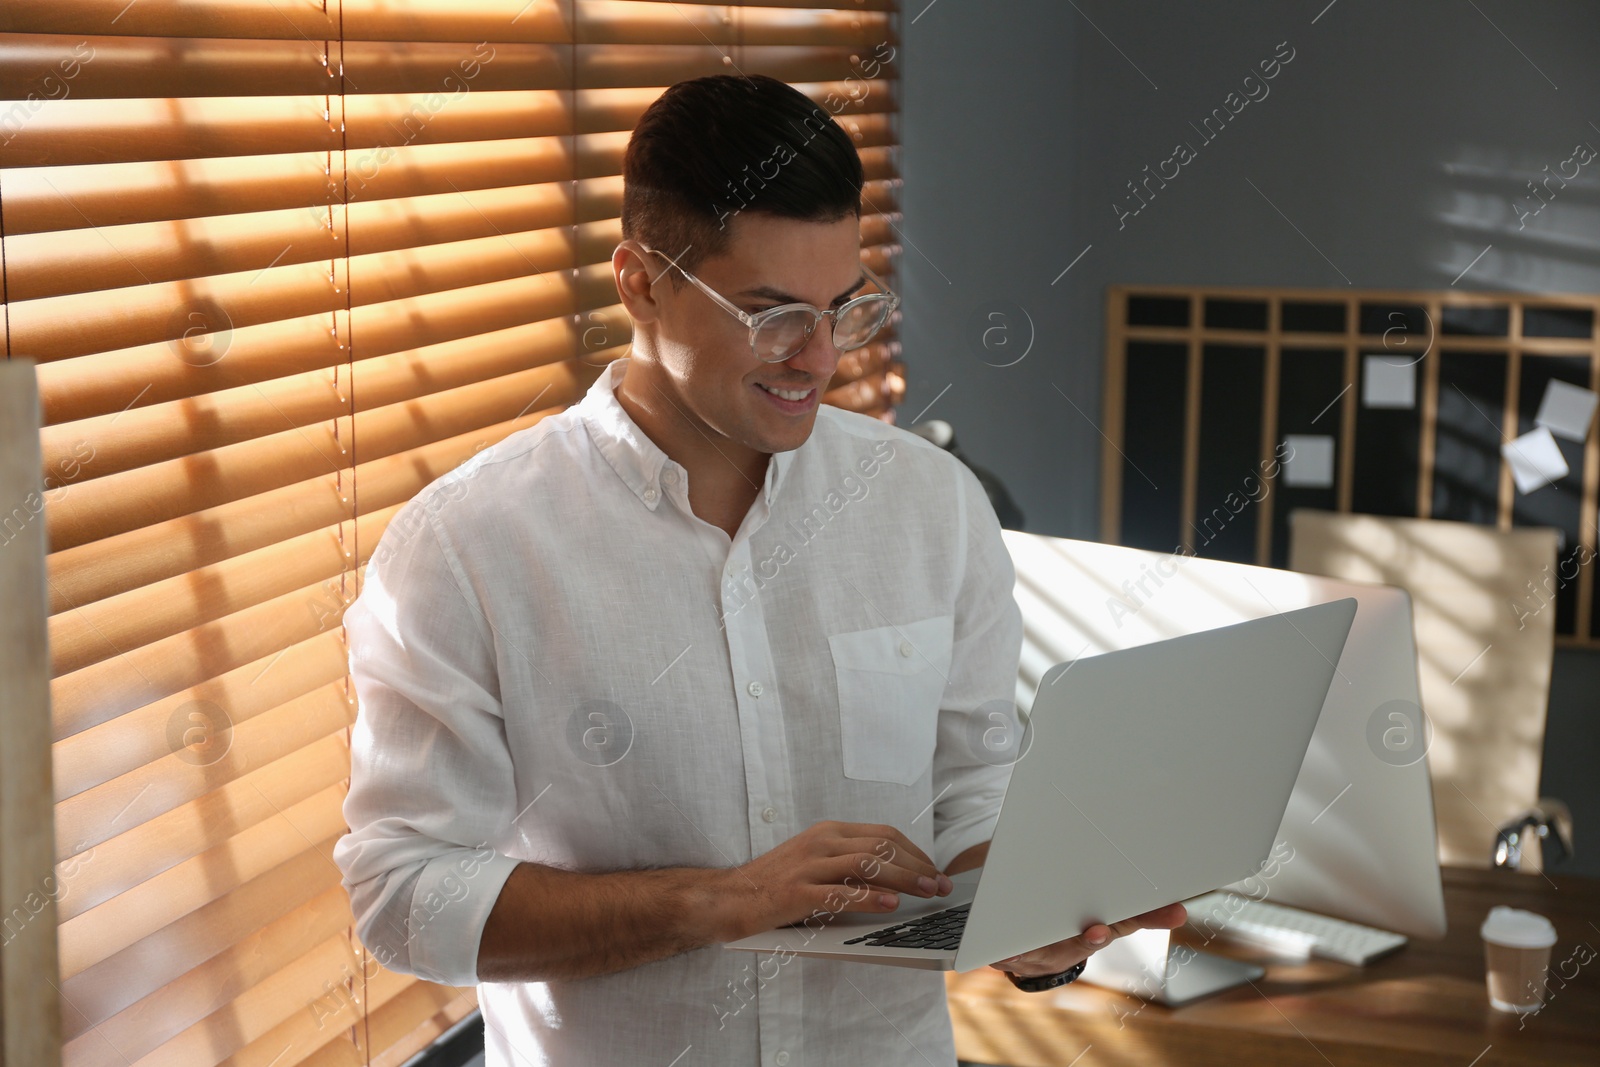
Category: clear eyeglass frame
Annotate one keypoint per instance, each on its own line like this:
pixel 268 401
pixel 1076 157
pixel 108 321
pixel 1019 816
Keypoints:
pixel 786 329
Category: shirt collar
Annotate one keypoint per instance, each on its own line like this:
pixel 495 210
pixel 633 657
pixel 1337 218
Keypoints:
pixel 638 460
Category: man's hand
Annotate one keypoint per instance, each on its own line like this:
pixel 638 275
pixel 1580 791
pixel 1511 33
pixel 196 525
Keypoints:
pixel 831 867
pixel 1053 959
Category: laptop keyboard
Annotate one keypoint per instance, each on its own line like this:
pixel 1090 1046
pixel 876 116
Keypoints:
pixel 940 931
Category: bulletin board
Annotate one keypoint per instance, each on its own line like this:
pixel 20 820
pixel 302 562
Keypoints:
pixel 1227 408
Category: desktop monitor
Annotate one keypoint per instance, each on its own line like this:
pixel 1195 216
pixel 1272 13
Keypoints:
pixel 1358 840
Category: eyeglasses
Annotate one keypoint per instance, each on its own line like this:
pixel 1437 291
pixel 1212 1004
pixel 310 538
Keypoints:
pixel 778 333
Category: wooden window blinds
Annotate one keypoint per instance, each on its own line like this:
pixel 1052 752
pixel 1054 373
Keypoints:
pixel 281 263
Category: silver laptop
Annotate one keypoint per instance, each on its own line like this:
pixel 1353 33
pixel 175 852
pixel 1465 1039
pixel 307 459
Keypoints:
pixel 1153 774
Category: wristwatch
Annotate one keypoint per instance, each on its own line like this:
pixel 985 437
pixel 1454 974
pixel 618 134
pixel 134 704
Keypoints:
pixel 1040 982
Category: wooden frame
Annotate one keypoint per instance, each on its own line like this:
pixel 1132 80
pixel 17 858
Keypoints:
pixel 1274 340
pixel 30 1009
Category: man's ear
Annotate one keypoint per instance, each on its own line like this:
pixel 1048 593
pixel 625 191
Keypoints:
pixel 632 270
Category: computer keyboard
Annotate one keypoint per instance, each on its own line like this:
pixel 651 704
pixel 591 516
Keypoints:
pixel 941 930
pixel 1290 931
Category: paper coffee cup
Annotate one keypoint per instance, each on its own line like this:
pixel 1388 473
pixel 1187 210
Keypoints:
pixel 1516 947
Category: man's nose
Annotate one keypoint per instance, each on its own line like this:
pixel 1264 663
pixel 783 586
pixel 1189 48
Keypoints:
pixel 817 357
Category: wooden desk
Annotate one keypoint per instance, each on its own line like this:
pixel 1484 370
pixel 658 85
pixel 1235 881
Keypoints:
pixel 1424 1005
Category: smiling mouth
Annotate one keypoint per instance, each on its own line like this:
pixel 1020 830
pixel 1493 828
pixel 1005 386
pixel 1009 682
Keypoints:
pixel 791 395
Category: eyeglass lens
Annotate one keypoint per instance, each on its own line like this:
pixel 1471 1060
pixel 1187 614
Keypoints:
pixel 783 335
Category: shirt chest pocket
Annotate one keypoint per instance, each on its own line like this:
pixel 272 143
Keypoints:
pixel 891 679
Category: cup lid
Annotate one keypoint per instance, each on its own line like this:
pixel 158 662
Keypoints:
pixel 1516 928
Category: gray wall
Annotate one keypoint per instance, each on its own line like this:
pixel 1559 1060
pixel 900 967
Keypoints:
pixel 1396 142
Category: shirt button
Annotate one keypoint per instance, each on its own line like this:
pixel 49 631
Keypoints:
pixel 781 1058
pixel 650 496
pixel 905 648
pixel 669 476
pixel 768 814
pixel 755 689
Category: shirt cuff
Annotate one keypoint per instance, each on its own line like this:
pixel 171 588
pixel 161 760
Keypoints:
pixel 449 908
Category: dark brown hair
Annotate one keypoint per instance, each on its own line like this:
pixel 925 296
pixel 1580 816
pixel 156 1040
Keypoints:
pixel 710 148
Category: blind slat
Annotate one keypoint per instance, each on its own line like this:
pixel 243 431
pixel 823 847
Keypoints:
pixel 320 559
pixel 126 439
pixel 258 1010
pixel 805 46
pixel 41 199
pixel 140 676
pixel 99 932
pixel 428 1009
pixel 121 502
pixel 234 748
pixel 106 566
pixel 108 382
pixel 164 313
pixel 651 24
pixel 73 132
pixel 113 68
pixel 290 944
pixel 437 1007
pixel 837 68
pixel 139 853
pixel 336 1033
pixel 102 991
pixel 80 261
pixel 126 743
pixel 380 20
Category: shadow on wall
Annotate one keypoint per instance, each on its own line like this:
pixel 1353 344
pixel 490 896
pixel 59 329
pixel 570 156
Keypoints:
pixel 1491 205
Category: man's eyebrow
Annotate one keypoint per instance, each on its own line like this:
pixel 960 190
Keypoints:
pixel 781 297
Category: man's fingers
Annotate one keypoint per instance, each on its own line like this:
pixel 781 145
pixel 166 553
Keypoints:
pixel 869 898
pixel 856 868
pixel 1167 917
pixel 1058 957
pixel 1052 959
pixel 905 851
pixel 874 859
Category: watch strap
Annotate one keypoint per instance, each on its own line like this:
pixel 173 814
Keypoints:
pixel 1040 982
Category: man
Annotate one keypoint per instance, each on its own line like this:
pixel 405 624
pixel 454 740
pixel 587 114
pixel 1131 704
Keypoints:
pixel 693 659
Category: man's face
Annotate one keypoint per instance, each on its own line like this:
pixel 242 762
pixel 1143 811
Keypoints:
pixel 705 352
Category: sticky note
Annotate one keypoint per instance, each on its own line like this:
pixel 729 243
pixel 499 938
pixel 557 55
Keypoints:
pixel 1389 382
pixel 1566 410
pixel 1308 463
pixel 1535 460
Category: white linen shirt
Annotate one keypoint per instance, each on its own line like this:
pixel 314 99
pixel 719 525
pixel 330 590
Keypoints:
pixel 557 662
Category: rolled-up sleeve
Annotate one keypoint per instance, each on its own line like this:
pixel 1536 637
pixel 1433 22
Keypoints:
pixel 431 779
pixel 979 730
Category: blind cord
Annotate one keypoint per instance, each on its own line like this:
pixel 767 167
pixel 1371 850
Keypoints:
pixel 5 294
